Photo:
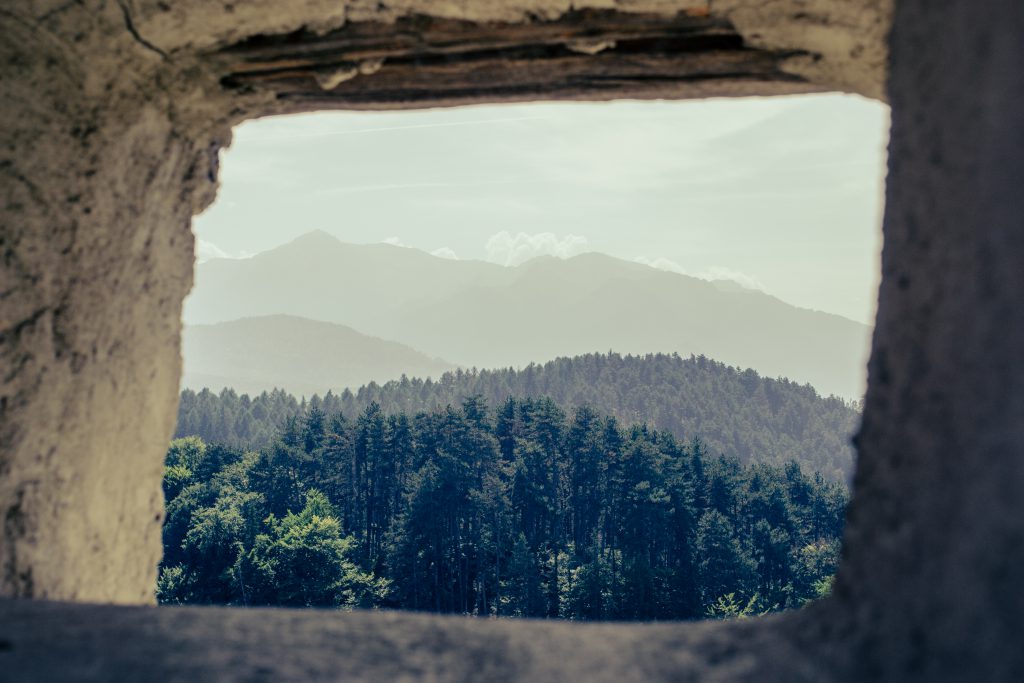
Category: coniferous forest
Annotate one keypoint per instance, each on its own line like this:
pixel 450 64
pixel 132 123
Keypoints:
pixel 515 509
pixel 734 412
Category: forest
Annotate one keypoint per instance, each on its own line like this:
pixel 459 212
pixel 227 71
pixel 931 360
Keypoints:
pixel 734 412
pixel 521 509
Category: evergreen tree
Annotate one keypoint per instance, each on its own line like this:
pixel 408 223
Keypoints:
pixel 518 512
pixel 735 412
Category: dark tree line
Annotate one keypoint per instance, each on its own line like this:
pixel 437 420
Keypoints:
pixel 518 511
pixel 735 413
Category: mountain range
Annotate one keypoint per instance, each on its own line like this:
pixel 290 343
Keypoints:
pixel 301 355
pixel 479 314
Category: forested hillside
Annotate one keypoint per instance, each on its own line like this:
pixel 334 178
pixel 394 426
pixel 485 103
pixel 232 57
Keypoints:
pixel 518 511
pixel 735 413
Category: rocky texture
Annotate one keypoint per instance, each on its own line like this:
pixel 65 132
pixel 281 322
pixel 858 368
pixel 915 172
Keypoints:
pixel 935 542
pixel 840 43
pixel 112 117
pixel 98 189
pixel 60 642
pixel 585 55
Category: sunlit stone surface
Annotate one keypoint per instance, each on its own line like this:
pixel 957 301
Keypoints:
pixel 112 117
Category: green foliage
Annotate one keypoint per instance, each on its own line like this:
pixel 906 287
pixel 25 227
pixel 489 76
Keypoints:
pixel 182 460
pixel 814 567
pixel 186 453
pixel 724 565
pixel 171 585
pixel 176 477
pixel 305 561
pixel 735 412
pixel 522 511
pixel 730 607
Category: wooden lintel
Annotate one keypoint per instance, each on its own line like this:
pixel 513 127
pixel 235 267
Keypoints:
pixel 425 59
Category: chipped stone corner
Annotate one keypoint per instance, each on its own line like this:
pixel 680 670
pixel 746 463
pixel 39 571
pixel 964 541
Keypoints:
pixel 841 44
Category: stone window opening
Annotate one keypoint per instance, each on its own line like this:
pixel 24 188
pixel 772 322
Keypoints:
pixel 406 187
pixel 112 121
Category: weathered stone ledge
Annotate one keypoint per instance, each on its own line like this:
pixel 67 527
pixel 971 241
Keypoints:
pixel 44 641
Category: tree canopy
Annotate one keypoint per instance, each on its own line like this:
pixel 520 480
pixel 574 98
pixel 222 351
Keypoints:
pixel 734 412
pixel 520 510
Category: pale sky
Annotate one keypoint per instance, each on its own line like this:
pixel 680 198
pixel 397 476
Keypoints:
pixel 782 194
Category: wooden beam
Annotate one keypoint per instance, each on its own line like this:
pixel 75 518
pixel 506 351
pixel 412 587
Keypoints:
pixel 429 61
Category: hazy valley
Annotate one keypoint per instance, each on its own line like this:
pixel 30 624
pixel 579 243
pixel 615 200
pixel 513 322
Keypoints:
pixel 477 314
pixel 303 356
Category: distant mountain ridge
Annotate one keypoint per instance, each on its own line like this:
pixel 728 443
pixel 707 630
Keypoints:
pixel 478 314
pixel 319 277
pixel 735 413
pixel 297 354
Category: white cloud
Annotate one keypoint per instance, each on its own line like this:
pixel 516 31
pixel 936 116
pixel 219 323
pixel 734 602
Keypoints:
pixel 661 263
pixel 440 252
pixel 507 250
pixel 723 273
pixel 206 251
pixel 445 252
pixel 709 273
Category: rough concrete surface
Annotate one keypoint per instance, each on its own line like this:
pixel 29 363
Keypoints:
pixel 48 641
pixel 111 118
pixel 935 534
pixel 113 115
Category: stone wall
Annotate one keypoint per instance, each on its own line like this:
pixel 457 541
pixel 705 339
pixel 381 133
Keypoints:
pixel 934 551
pixel 112 117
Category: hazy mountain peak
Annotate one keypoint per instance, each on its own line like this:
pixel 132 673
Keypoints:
pixel 258 353
pixel 726 285
pixel 540 259
pixel 481 314
pixel 258 321
pixel 315 238
pixel 594 257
